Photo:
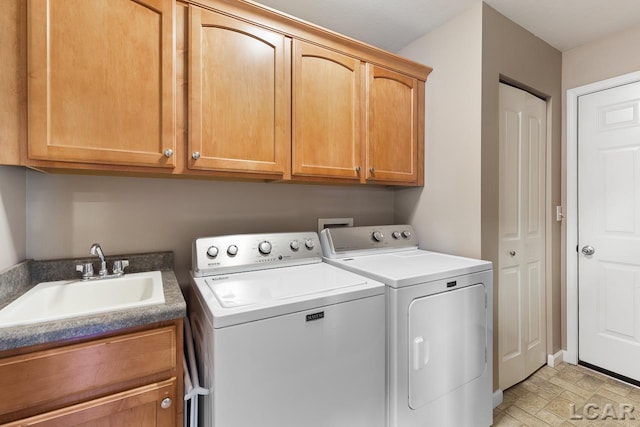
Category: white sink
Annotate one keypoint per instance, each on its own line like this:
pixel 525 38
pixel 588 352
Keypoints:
pixel 70 298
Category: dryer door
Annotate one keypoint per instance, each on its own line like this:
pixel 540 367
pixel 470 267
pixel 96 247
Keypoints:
pixel 447 342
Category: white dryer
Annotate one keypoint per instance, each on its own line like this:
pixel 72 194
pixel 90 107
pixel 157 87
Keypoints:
pixel 439 325
pixel 283 339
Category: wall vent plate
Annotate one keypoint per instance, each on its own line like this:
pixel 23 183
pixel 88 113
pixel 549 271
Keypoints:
pixel 334 222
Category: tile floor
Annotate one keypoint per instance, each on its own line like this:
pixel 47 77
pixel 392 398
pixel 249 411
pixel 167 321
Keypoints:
pixel 566 396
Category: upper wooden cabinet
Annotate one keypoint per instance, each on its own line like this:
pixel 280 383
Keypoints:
pixel 101 81
pixel 219 88
pixel 394 129
pixel 239 95
pixel 328 102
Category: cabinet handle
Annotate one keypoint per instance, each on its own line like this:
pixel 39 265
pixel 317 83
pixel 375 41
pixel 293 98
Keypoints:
pixel 166 403
pixel 195 155
pixel 372 170
pixel 168 152
pixel 358 169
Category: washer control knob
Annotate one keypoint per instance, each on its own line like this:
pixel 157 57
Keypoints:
pixel 294 245
pixel 377 236
pixel 396 234
pixel 309 244
pixel 264 248
pixel 406 234
pixel 232 250
pixel 212 252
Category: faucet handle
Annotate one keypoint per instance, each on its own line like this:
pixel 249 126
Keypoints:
pixel 119 266
pixel 85 269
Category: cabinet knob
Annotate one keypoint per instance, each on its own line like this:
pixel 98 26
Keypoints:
pixel 195 155
pixel 168 152
pixel 372 170
pixel 166 403
pixel 358 169
pixel 512 253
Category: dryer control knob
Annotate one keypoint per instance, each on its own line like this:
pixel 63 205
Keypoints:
pixel 264 248
pixel 309 244
pixel 294 245
pixel 396 234
pixel 377 236
pixel 212 252
pixel 406 234
pixel 232 250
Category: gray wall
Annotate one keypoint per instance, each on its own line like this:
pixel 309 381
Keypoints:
pixel 13 227
pixel 446 211
pixel 67 213
pixel 457 210
pixel 514 54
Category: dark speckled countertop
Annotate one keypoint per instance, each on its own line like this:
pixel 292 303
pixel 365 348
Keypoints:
pixel 20 278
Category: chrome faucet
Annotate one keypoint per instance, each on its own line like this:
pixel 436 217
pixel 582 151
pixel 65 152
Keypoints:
pixel 87 268
pixel 97 251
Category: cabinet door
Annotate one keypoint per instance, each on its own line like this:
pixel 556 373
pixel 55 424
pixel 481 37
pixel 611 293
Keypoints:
pixel 393 122
pixel 239 95
pixel 141 407
pixel 328 102
pixel 101 81
pixel 63 375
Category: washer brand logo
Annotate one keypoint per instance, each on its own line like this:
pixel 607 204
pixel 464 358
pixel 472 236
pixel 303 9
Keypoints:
pixel 315 316
pixel 220 278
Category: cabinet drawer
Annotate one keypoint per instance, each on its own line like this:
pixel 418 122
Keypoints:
pixel 137 407
pixel 73 373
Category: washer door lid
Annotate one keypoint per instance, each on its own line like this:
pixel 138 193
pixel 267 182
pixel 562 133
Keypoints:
pixel 447 342
pixel 281 284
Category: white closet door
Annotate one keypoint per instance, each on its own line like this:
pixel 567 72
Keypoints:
pixel 521 279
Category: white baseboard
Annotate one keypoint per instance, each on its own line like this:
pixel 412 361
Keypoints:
pixel 497 398
pixel 555 359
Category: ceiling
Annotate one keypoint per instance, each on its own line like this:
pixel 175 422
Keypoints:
pixel 391 25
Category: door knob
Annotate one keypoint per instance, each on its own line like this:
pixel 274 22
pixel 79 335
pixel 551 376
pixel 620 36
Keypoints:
pixel 588 250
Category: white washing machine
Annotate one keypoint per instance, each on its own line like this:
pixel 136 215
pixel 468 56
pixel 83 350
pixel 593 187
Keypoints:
pixel 283 339
pixel 439 325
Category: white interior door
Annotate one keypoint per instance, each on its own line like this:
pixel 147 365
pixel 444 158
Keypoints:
pixel 609 229
pixel 521 283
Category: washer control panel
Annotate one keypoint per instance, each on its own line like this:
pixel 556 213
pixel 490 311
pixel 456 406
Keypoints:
pixel 345 241
pixel 248 252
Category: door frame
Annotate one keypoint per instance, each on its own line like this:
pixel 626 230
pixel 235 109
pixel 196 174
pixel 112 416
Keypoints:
pixel 571 353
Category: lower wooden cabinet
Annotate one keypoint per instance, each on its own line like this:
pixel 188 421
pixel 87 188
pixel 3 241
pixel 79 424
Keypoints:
pixel 152 405
pixel 131 379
